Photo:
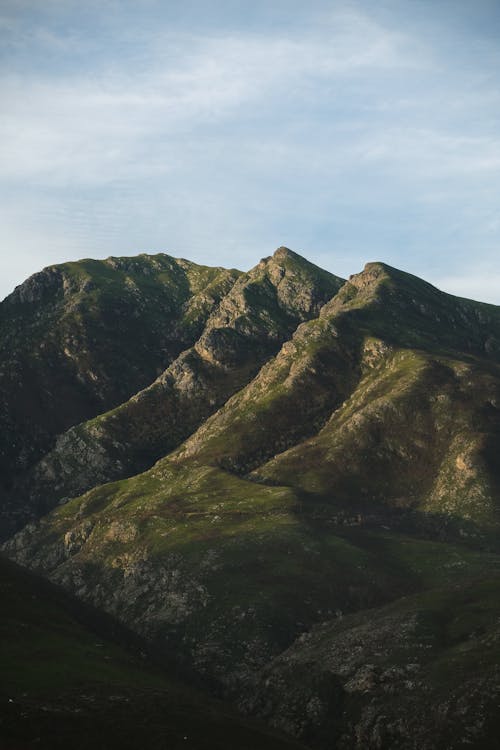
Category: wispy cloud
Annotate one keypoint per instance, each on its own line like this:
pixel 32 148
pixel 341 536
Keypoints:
pixel 98 125
pixel 433 154
pixel 342 129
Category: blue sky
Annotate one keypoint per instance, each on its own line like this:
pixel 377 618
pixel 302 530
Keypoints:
pixel 217 131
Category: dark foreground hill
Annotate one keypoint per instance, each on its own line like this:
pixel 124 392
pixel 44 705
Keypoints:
pixel 304 508
pixel 71 677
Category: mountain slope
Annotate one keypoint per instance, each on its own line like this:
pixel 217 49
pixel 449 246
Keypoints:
pixel 350 482
pixel 259 312
pixel 79 338
pixel 376 412
pixel 226 575
pixel 421 672
pixel 71 677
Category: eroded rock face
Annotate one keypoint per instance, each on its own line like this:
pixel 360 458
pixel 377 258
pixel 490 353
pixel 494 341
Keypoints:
pixel 50 281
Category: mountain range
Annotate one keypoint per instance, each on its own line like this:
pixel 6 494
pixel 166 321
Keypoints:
pixel 283 484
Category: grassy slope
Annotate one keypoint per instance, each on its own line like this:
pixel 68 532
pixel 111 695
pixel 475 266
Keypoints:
pixel 68 679
pixel 81 337
pixel 376 412
pixel 417 432
pixel 224 571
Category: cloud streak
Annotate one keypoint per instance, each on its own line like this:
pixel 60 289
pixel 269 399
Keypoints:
pixel 89 126
pixel 342 130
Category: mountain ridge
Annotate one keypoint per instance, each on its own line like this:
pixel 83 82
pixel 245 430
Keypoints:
pixel 347 475
pixel 244 328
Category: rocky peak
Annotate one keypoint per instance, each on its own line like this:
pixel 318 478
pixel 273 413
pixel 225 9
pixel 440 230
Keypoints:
pixel 283 253
pixel 37 287
pixel 283 289
pixel 412 312
pixel 280 254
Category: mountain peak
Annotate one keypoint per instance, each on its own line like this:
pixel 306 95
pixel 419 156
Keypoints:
pixel 283 252
pixel 282 255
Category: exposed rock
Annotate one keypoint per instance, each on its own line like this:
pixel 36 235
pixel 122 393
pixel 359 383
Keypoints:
pixel 318 539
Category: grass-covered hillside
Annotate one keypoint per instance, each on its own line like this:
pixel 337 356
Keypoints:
pixel 320 544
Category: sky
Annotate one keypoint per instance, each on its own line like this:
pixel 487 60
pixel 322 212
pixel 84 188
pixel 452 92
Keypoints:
pixel 220 130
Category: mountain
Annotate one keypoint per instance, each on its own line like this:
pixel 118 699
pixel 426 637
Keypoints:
pixel 79 338
pixel 234 321
pixel 396 387
pixel 304 508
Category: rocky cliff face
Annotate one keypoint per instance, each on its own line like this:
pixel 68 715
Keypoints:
pixel 323 505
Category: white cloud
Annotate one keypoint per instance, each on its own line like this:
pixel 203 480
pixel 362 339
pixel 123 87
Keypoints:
pixel 107 125
pixel 347 132
pixel 104 124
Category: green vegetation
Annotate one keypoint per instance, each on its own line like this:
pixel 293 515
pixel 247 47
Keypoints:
pixel 250 317
pixel 318 538
pixel 79 338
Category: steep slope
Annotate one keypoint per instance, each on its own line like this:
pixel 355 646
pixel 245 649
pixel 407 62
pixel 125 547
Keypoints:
pixel 79 338
pixel 226 575
pixel 253 319
pixel 71 677
pixel 354 472
pixel 377 411
pixel 418 432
